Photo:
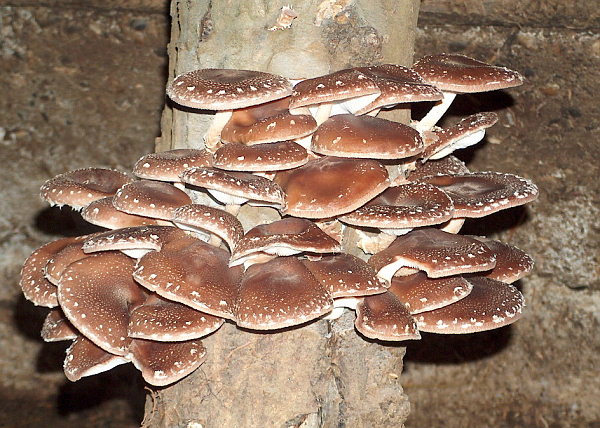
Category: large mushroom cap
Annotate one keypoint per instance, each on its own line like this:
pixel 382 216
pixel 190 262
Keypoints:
pixel 403 207
pixel 280 293
pixel 478 194
pixel 97 294
pixel 79 187
pixel 150 199
pixel 346 135
pixel 223 89
pixel 460 73
pixel 283 238
pixel 330 186
pixel 491 304
pixel 168 166
pixel 436 252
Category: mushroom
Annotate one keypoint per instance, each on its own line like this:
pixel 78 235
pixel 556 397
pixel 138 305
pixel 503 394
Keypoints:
pixel 283 238
pixel 84 358
pixel 490 304
pixel 455 73
pixel 512 263
pixel 436 252
pixel 330 186
pixel 260 157
pixel 79 187
pixel 168 166
pixel 447 165
pixel 385 317
pixel 103 213
pixel 225 90
pixel 56 327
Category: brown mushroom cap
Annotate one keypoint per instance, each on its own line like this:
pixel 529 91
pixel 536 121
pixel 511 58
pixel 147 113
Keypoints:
pixel 512 263
pixel 84 358
pixel 421 294
pixel 385 317
pixel 459 73
pixel 33 281
pixel 241 186
pixel 465 133
pixel 103 213
pixel 266 123
pixel 283 238
pixel 190 271
pixel 346 135
pixel 329 186
pixel 341 85
pixel 260 157
pixel 436 252
pixel 133 240
pixel 478 194
pixel 60 261
pixel 163 363
pixel 80 187
pixel 222 89
pixel 398 84
pixel 213 220
pixel 447 165
pixel 168 166
pixel 403 207
pixel 280 293
pixel 153 199
pixel 345 275
pixel 97 294
pixel 57 327
pixel 491 304
pixel 167 321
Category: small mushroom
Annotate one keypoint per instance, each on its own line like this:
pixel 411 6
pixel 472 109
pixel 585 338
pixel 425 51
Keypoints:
pixel 103 213
pixel 168 166
pixel 260 157
pixel 512 263
pixel 84 358
pixel 385 317
pixel 57 327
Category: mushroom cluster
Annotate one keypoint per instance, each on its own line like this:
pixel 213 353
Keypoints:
pixel 300 203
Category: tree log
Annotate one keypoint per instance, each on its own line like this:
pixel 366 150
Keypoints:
pixel 323 374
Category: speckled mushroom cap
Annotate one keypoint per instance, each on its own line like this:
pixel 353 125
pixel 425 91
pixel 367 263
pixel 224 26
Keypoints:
pixel 104 214
pixel 434 251
pixel 447 165
pixel 331 186
pixel 421 294
pixel 280 293
pixel 283 238
pixel 465 133
pixel 512 263
pixel 260 157
pixel 340 85
pixel 137 239
pixel 70 253
pixel 346 135
pixel 80 187
pixel 168 166
pixel 398 84
pixel 223 89
pixel 190 271
pixel 163 363
pixel 265 123
pixel 478 194
pixel 385 317
pixel 84 358
pixel 57 327
pixel 490 304
pixel 97 294
pixel 213 220
pixel 241 186
pixel 167 321
pixel 34 284
pixel 345 275
pixel 403 207
pixel 148 198
pixel 462 74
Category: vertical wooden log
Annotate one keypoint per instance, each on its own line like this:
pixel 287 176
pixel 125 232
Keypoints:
pixel 323 374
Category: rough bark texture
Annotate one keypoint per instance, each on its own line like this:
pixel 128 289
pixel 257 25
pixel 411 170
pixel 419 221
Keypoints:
pixel 323 374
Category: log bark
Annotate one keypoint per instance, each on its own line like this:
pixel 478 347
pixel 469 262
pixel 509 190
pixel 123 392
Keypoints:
pixel 323 374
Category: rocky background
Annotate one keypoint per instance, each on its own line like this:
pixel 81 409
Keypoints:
pixel 83 84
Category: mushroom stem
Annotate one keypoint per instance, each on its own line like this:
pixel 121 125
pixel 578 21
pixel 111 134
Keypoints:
pixel 212 138
pixel 339 305
pixel 323 112
pixel 436 112
pixel 374 112
pixel 233 209
pixel 454 225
